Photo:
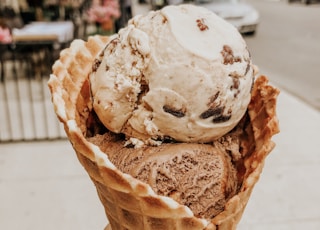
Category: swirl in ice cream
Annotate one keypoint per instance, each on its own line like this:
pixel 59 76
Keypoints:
pixel 181 73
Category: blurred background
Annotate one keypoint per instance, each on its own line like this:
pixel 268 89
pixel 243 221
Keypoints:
pixel 283 37
pixel 36 161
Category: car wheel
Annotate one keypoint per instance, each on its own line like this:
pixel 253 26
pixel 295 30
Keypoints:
pixel 250 33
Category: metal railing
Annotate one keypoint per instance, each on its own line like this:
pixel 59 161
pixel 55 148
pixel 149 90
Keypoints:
pixel 26 111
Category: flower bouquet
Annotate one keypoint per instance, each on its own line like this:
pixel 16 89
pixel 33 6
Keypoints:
pixel 5 35
pixel 103 13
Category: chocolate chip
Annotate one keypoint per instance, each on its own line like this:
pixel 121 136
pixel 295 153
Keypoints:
pixel 175 112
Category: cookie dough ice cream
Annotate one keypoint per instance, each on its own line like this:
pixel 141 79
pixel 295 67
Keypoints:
pixel 180 73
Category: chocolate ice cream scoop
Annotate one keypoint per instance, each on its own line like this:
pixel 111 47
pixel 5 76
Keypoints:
pixel 201 177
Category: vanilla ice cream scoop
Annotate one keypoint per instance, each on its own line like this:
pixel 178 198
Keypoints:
pixel 181 73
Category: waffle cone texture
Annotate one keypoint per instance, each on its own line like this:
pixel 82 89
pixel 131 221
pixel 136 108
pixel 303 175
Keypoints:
pixel 128 202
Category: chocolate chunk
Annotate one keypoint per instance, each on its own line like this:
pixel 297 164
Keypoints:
pixel 112 44
pixel 235 74
pixel 213 98
pixel 115 41
pixel 237 59
pixel 228 57
pixel 96 64
pixel 164 20
pixel 221 119
pixel 201 24
pixel 236 83
pixel 134 63
pixel 212 112
pixel 248 68
pixel 175 112
pixel 101 54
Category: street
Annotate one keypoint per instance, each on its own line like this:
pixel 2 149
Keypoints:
pixel 286 47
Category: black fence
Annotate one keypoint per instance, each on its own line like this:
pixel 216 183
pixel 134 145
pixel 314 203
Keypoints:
pixel 26 111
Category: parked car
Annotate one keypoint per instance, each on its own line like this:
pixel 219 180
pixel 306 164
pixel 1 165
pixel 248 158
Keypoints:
pixel 239 13
pixel 158 4
pixel 307 2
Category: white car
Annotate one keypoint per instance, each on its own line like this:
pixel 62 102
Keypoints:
pixel 307 2
pixel 158 4
pixel 239 13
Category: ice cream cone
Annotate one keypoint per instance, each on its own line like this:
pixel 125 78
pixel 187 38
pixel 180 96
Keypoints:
pixel 128 202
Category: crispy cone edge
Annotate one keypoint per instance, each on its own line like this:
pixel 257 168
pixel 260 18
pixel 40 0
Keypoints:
pixel 128 202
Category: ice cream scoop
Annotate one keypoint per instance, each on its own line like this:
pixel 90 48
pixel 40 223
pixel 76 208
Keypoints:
pixel 199 176
pixel 158 78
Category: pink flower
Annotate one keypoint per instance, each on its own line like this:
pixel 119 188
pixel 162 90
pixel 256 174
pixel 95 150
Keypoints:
pixel 5 35
pixel 103 11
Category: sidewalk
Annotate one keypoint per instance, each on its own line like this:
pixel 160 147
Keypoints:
pixel 44 187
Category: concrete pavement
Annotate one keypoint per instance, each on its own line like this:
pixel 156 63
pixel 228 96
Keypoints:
pixel 43 186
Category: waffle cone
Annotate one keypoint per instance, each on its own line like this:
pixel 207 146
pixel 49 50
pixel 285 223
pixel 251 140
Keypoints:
pixel 128 202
